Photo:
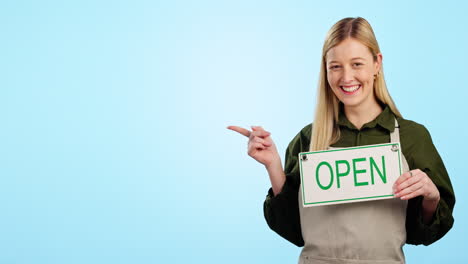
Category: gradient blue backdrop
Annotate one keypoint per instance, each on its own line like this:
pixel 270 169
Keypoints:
pixel 114 147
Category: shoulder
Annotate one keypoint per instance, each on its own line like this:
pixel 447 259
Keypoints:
pixel 301 140
pixel 416 141
pixel 415 131
pixel 306 131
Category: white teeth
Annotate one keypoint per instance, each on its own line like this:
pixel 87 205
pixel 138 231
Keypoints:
pixel 350 89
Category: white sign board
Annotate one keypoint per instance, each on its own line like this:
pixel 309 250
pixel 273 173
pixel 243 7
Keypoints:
pixel 350 174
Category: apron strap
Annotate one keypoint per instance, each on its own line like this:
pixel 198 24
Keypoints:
pixel 395 135
pixel 394 138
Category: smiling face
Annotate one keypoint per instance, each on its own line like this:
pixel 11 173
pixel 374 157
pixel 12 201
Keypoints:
pixel 350 73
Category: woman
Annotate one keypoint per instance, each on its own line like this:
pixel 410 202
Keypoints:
pixel 354 108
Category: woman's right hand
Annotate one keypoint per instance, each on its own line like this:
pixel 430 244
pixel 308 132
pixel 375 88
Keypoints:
pixel 260 146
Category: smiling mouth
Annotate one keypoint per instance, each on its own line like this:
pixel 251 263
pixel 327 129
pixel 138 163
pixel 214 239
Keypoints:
pixel 350 89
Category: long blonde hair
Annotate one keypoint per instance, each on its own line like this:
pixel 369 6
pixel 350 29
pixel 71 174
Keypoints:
pixel 325 130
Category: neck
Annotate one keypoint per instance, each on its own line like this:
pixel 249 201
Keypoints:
pixel 362 114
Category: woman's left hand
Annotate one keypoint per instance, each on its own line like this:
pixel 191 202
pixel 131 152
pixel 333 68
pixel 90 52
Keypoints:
pixel 415 183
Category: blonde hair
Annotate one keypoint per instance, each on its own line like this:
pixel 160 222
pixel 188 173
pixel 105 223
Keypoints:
pixel 325 130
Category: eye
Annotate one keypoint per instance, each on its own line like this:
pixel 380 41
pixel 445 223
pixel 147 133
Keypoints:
pixel 357 64
pixel 333 67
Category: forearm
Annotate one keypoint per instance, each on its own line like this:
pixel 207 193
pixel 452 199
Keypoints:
pixel 277 176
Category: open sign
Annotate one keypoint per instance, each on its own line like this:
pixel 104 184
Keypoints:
pixel 350 174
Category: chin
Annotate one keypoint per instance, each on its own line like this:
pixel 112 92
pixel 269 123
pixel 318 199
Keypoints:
pixel 349 104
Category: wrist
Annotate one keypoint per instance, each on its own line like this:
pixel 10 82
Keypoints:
pixel 430 205
pixel 434 198
pixel 274 164
pixel 431 200
pixel 276 174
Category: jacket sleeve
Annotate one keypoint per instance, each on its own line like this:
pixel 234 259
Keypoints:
pixel 282 211
pixel 424 156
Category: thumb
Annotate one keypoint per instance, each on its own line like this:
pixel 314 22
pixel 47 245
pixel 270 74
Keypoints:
pixel 263 132
pixel 257 128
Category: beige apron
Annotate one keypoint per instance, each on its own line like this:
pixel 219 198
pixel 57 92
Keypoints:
pixel 359 233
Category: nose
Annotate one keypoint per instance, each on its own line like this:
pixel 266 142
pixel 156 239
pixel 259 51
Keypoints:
pixel 348 75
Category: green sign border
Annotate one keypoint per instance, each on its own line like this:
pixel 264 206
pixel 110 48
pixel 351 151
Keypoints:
pixel 344 149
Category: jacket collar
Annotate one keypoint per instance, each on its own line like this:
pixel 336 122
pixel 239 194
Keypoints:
pixel 385 119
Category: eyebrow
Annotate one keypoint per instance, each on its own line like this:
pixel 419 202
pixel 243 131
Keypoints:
pixel 355 58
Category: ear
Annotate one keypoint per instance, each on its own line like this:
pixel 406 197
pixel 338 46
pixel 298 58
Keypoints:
pixel 378 63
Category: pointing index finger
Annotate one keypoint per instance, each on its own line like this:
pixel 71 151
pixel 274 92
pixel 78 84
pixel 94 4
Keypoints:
pixel 240 130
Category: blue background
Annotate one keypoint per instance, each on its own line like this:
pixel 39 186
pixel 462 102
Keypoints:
pixel 114 147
